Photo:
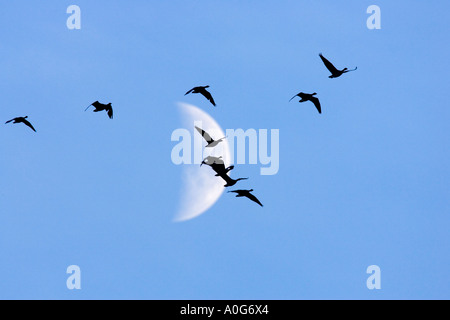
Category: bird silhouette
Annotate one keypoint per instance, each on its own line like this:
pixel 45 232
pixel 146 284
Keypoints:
pixel 211 160
pixel 229 181
pixel 335 73
pixel 246 193
pixel 211 142
pixel 204 92
pixel 101 107
pixel 217 164
pixel 22 120
pixel 309 97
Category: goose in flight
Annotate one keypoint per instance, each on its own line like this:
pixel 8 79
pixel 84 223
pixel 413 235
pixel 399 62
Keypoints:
pixel 335 73
pixel 100 107
pixel 246 193
pixel 211 142
pixel 309 97
pixel 22 120
pixel 229 181
pixel 209 160
pixel 217 164
pixel 204 92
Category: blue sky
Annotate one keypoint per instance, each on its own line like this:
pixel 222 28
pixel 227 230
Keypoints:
pixel 365 183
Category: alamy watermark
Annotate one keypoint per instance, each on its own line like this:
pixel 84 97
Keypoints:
pixel 244 147
pixel 74 20
pixel 374 21
pixel 374 280
pixel 74 280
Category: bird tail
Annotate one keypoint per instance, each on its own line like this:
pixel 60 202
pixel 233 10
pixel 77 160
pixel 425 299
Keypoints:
pixel 88 107
pixel 352 70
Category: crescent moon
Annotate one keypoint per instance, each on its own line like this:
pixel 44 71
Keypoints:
pixel 201 189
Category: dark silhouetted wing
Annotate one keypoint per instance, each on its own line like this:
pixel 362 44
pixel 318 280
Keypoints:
pixel 253 198
pixel 316 103
pixel 109 109
pixel 328 64
pixel 205 135
pixel 208 96
pixel 10 121
pixel 26 122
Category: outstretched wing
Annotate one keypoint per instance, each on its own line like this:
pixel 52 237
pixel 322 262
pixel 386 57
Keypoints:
pixel 205 135
pixel 110 112
pixel 316 103
pixel 328 64
pixel 253 198
pixel 208 96
pixel 26 122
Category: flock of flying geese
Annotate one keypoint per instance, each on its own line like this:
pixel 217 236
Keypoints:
pixel 217 163
pixel 97 105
